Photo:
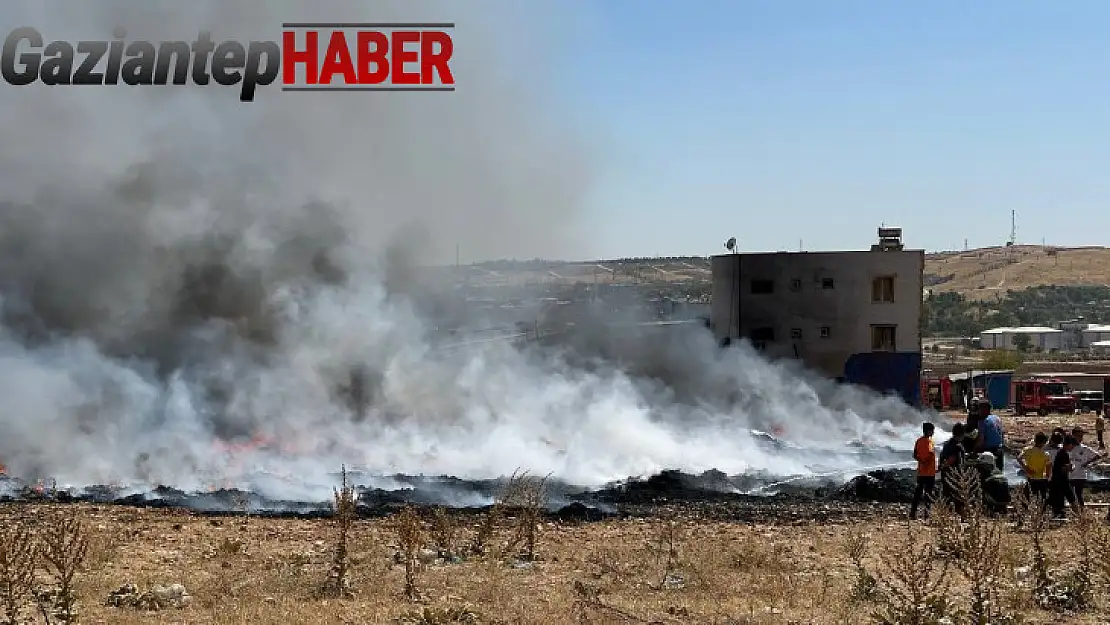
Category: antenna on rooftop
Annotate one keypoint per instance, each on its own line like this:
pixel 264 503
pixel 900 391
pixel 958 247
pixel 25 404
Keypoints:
pixel 730 245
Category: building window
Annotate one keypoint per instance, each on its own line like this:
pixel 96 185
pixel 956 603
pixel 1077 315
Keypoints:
pixel 796 285
pixel 825 332
pixel 882 289
pixel 883 338
pixel 763 334
pixel 827 283
pixel 760 337
pixel 762 287
pixel 796 333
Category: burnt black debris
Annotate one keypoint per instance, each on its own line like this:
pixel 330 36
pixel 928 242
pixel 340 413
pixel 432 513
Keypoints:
pixel 752 498
pixel 885 486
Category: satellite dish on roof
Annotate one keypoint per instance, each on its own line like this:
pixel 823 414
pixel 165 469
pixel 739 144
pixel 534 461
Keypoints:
pixel 730 245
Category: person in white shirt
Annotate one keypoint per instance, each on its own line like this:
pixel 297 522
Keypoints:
pixel 1081 457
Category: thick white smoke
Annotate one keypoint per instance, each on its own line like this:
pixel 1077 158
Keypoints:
pixel 179 270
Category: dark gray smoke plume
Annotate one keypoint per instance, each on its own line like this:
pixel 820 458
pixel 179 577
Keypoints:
pixel 180 270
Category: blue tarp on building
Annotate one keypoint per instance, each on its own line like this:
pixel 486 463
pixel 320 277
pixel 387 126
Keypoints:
pixel 998 388
pixel 887 372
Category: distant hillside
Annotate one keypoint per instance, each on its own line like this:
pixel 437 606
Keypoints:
pixel 986 273
pixel 663 270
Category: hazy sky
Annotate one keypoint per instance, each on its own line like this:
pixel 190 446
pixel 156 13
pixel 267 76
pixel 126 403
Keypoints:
pixel 816 120
pixel 630 127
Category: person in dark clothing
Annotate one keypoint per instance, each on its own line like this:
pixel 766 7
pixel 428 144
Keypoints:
pixel 1059 486
pixel 926 456
pixel 1100 427
pixel 1081 458
pixel 995 488
pixel 951 458
pixel 973 411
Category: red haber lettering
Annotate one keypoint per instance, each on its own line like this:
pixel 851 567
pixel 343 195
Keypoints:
pixel 290 56
pixel 338 60
pixel 431 58
pixel 373 49
pixel 402 58
pixel 401 55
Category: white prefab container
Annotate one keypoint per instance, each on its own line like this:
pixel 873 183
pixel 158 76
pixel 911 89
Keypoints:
pixel 1042 338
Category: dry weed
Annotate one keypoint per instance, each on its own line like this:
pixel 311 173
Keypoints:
pixel 1033 520
pixel 488 525
pixel 981 563
pixel 444 533
pixel 666 551
pixel 19 552
pixel 1072 590
pixel 588 602
pixel 64 548
pixel 947 525
pixel 1102 546
pixel 526 496
pixel 339 581
pixel 410 540
pixel 1086 539
pixel 914 590
pixel 464 615
pixel 856 548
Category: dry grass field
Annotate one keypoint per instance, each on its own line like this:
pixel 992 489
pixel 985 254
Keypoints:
pixel 249 570
pixel 987 273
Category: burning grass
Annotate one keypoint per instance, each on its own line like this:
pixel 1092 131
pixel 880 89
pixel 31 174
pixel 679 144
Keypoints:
pixel 270 570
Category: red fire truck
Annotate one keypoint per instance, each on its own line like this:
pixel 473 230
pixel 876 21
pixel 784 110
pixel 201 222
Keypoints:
pixel 1042 396
pixel 936 392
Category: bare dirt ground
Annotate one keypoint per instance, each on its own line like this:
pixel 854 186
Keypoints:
pixel 676 569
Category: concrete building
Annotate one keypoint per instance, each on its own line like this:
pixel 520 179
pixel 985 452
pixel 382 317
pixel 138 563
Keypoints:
pixel 1071 338
pixel 852 315
pixel 1042 338
pixel 1094 333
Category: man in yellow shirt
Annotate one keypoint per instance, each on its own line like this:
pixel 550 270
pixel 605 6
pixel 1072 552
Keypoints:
pixel 1037 466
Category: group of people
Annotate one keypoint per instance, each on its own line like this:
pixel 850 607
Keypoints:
pixel 1056 469
pixel 1055 466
